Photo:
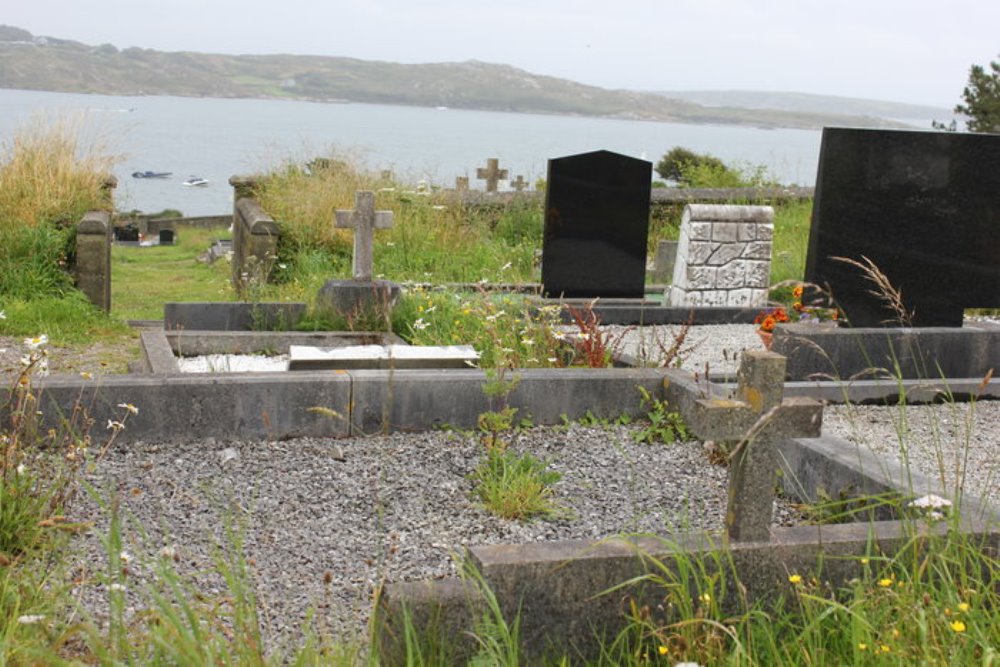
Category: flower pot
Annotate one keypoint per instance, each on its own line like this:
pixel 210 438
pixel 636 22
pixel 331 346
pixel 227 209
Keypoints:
pixel 765 337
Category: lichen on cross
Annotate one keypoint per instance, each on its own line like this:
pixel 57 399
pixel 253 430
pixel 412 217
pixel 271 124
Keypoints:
pixel 364 220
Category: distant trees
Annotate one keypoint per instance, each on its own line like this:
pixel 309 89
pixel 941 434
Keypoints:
pixel 981 98
pixel 701 170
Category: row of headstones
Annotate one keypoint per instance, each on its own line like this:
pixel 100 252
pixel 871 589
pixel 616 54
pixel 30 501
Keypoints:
pixel 597 217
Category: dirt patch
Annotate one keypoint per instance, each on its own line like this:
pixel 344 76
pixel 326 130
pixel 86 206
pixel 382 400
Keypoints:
pixel 103 357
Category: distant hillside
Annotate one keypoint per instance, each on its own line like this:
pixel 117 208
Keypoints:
pixel 46 63
pixel 808 103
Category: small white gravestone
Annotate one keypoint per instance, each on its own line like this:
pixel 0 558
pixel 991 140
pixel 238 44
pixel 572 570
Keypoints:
pixel 306 357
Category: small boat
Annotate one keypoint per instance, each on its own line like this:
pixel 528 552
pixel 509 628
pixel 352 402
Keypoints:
pixel 195 181
pixel 151 174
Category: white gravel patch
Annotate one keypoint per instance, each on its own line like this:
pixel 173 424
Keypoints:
pixel 233 363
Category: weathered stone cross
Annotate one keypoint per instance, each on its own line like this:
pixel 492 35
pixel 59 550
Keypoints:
pixel 364 220
pixel 492 174
pixel 755 420
pixel 519 183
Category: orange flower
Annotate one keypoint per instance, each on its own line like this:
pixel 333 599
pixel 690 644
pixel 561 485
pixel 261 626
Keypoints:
pixel 780 314
pixel 797 292
pixel 768 323
pixel 797 306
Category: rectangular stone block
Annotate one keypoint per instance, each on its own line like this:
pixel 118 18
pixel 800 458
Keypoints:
pixel 746 231
pixel 758 250
pixel 724 232
pixel 701 231
pixel 757 275
pixel 701 277
pixel 732 275
pixel 739 298
pixel 714 298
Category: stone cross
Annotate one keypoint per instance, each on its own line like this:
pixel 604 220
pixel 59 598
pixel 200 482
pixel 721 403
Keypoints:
pixel 754 421
pixel 364 220
pixel 462 183
pixel 492 174
pixel 519 183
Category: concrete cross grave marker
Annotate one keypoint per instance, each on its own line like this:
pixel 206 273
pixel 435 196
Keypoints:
pixel 462 183
pixel 364 220
pixel 753 421
pixel 519 183
pixel 492 174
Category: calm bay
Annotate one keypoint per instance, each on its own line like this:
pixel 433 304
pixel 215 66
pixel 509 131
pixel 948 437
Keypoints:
pixel 217 138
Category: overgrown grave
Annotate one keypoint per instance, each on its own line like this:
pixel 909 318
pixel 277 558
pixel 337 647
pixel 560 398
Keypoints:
pixel 582 589
pixel 904 237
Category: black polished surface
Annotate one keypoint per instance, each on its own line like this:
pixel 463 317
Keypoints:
pixel 924 207
pixel 596 224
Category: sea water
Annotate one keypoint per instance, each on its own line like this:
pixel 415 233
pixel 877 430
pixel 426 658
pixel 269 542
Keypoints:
pixel 218 138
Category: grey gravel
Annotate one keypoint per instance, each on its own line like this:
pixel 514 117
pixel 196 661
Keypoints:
pixel 364 510
pixel 957 444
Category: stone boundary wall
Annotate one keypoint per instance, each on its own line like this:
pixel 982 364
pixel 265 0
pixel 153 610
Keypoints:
pixel 723 256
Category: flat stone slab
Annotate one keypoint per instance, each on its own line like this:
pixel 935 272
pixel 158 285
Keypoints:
pixel 307 357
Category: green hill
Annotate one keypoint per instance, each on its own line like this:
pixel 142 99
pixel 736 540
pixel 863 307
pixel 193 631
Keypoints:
pixel 45 63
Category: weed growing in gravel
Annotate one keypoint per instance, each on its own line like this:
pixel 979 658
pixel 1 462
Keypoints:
pixel 663 424
pixel 516 486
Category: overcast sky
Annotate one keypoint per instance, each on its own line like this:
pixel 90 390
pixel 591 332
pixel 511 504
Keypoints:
pixel 908 51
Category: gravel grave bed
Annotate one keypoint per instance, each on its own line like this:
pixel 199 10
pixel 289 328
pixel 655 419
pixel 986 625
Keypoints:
pixel 957 444
pixel 326 519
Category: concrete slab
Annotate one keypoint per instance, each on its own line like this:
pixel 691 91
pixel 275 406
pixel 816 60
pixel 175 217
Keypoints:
pixel 239 316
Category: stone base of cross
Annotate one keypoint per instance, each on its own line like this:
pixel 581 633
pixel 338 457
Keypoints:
pixel 364 220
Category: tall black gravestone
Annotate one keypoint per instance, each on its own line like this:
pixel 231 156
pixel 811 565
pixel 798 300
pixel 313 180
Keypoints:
pixel 924 207
pixel 596 224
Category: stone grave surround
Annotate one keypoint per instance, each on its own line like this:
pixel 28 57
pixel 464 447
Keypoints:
pixel 723 256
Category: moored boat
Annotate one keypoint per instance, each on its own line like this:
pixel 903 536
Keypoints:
pixel 151 174
pixel 196 181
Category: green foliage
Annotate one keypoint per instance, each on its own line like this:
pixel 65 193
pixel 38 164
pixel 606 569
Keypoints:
pixel 515 486
pixel 664 425
pixel 701 170
pixel 981 97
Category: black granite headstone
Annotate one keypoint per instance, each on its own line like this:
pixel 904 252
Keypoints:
pixel 596 224
pixel 924 207
pixel 166 237
pixel 127 233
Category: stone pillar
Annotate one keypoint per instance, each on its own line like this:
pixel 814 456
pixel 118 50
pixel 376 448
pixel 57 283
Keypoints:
pixel 93 258
pixel 723 256
pixel 255 235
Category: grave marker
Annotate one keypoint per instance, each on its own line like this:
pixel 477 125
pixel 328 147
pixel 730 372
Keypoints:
pixel 596 226
pixel 492 174
pixel 923 207
pixel 364 220
pixel 519 183
pixel 462 183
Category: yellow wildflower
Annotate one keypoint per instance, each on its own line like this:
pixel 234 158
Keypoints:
pixel 885 583
pixel 963 607
pixel 862 646
pixel 958 626
pixel 663 650
pixel 795 579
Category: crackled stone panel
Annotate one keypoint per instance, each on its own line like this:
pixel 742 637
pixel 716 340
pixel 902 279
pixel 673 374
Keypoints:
pixel 723 256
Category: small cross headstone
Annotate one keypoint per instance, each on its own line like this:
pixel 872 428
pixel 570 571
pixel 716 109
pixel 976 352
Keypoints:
pixel 519 183
pixel 462 183
pixel 364 220
pixel 492 174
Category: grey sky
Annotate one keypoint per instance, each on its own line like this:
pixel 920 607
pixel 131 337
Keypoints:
pixel 909 51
